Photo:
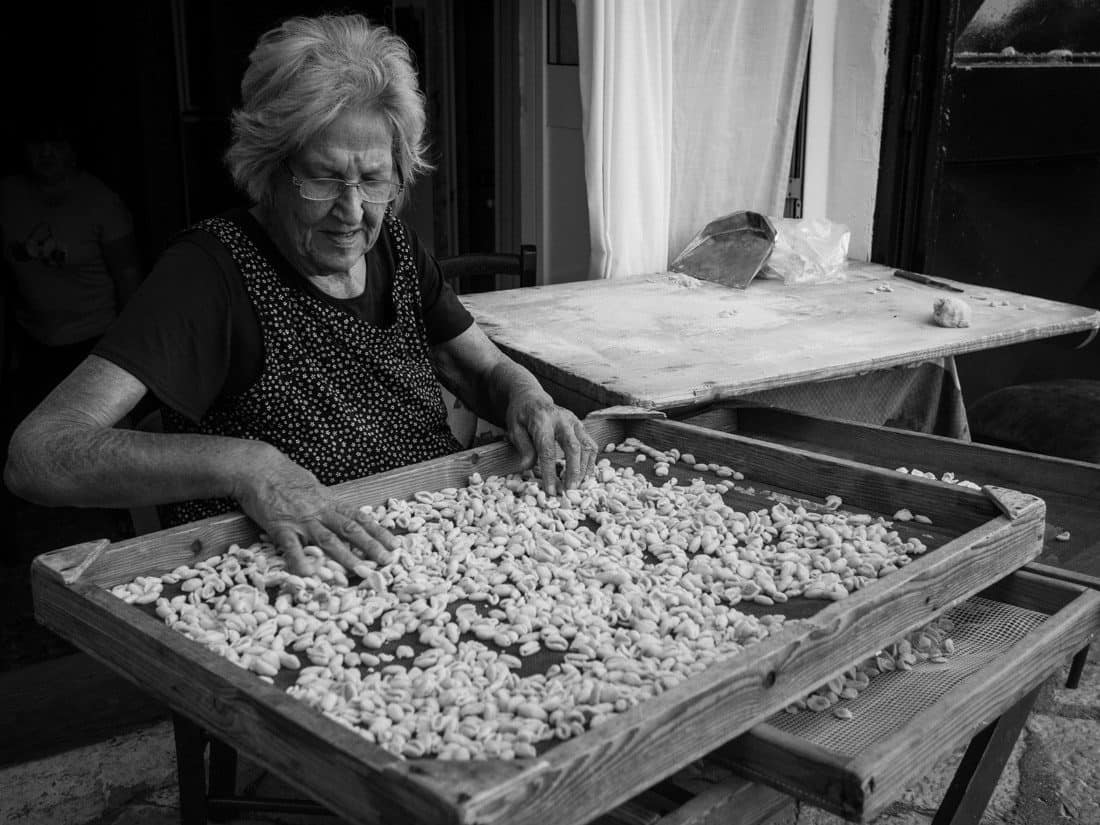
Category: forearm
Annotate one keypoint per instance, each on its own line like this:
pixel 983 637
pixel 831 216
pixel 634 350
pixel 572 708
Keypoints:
pixel 491 393
pixel 500 390
pixel 508 383
pixel 106 467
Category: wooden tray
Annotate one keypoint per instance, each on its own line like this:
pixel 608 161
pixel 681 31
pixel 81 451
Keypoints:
pixel 1070 489
pixel 978 538
pixel 858 774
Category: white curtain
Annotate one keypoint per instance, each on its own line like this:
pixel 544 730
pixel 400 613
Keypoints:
pixel 689 108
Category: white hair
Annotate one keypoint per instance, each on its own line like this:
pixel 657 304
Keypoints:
pixel 302 75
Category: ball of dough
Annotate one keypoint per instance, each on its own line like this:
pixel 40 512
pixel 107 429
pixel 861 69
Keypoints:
pixel 951 312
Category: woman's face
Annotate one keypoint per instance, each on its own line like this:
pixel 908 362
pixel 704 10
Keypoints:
pixel 329 237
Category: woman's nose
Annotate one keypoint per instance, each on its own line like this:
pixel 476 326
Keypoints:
pixel 350 203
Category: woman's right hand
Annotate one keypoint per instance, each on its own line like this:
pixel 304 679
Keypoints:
pixel 296 510
pixel 69 452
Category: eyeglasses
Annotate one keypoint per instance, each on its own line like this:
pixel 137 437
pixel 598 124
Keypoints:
pixel 328 189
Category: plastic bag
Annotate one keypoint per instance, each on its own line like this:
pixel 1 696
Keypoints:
pixel 808 250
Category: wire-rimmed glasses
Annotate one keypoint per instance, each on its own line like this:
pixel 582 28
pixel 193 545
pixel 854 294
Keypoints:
pixel 329 189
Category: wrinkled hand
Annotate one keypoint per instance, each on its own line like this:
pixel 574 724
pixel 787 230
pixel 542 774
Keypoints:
pixel 537 426
pixel 296 510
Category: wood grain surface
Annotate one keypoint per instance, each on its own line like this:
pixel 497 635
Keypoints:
pixel 861 786
pixel 1071 489
pixel 668 341
pixel 573 781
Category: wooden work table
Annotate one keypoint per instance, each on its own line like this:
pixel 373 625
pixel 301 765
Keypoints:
pixel 672 342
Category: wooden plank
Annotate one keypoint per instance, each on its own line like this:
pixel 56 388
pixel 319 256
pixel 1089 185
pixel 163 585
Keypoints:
pixel 911 753
pixel 70 563
pixel 1071 489
pixel 1009 502
pixel 666 341
pixel 797 767
pixel 731 800
pixel 575 780
pixel 891 447
pixel 862 487
pixel 159 552
pixel 1034 591
pixel 861 786
pixel 151 554
pixel 317 756
pixel 1068 576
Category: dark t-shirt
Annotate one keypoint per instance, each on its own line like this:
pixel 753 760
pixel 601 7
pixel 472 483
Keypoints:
pixel 191 335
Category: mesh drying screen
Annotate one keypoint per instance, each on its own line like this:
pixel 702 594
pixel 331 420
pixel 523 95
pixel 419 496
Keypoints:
pixel 983 629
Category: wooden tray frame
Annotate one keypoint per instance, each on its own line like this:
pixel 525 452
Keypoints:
pixel 992 533
pixel 1070 489
pixel 859 788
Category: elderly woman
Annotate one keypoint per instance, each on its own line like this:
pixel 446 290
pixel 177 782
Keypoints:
pixel 299 343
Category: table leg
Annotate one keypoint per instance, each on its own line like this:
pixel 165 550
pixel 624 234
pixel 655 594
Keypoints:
pixel 980 770
pixel 190 770
pixel 1077 667
pixel 222 779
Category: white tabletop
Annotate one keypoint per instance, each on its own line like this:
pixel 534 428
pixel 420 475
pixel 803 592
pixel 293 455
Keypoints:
pixel 667 341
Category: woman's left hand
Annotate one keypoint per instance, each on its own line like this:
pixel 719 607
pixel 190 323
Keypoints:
pixel 488 381
pixel 537 427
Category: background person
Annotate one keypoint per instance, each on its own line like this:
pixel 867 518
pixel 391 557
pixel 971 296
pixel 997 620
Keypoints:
pixel 71 263
pixel 298 343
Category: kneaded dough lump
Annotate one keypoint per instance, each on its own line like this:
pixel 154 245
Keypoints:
pixel 951 312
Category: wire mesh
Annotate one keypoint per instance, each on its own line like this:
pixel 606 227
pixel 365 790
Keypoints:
pixel 983 630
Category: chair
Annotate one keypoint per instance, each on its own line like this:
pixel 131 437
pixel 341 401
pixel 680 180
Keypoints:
pixel 476 271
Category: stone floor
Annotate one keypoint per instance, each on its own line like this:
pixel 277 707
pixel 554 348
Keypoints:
pixel 33 530
pixel 1051 777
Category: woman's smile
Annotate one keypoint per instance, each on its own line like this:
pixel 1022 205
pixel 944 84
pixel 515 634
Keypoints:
pixel 344 239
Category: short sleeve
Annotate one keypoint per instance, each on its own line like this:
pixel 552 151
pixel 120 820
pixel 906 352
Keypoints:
pixel 175 333
pixel 444 315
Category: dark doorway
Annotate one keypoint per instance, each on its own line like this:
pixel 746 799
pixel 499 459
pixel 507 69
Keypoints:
pixel 991 163
pixel 150 87
pixel 454 45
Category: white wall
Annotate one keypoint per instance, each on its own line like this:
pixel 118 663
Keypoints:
pixel 848 62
